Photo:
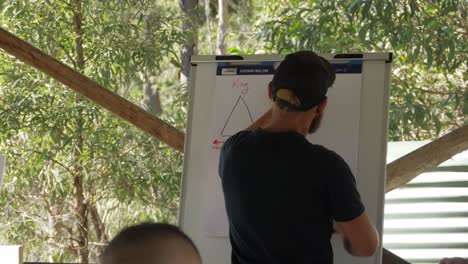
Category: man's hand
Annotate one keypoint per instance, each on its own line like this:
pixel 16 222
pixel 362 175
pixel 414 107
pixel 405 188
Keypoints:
pixel 336 229
pixel 454 261
pixel 359 236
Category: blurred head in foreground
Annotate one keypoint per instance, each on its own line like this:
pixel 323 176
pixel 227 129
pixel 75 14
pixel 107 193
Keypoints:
pixel 151 243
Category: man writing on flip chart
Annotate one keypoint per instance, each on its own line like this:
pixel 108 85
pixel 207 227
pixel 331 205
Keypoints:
pixel 284 195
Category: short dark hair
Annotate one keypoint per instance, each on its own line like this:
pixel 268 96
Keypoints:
pixel 145 232
pixel 302 80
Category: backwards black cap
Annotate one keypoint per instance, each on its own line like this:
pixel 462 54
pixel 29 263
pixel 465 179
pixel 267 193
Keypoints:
pixel 302 80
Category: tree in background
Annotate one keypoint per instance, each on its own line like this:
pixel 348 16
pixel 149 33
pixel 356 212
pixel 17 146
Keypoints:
pixel 233 20
pixel 223 22
pixel 190 27
pixel 77 174
pixel 428 38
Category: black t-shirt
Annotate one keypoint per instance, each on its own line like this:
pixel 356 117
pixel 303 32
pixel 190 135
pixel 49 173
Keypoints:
pixel 282 194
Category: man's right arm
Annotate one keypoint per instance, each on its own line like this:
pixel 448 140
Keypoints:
pixel 360 237
pixel 453 261
pixel 351 220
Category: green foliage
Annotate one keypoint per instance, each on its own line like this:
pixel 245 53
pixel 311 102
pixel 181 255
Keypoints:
pixel 128 38
pixel 52 137
pixel 242 13
pixel 428 39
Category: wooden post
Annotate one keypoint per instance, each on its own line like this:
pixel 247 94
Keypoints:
pixel 429 156
pixel 91 90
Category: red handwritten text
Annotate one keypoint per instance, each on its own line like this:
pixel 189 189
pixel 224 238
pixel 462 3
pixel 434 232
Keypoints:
pixel 242 85
pixel 217 144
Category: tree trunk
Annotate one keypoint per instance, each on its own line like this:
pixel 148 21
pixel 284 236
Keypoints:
pixel 81 215
pixel 81 205
pixel 223 22
pixel 190 27
pixel 98 224
pixel 208 23
pixel 406 168
pixel 151 101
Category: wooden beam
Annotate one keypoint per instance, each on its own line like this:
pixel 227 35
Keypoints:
pixel 406 168
pixel 91 90
pixel 429 156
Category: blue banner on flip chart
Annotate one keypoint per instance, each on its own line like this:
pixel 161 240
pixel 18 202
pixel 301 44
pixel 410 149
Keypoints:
pixel 348 67
pixel 226 68
pixel 267 68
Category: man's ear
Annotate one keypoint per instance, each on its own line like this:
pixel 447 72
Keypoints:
pixel 270 95
pixel 322 105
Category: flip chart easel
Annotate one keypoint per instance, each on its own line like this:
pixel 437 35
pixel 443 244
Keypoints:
pixel 228 93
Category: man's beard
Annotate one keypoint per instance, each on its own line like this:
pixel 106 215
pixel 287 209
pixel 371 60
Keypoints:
pixel 315 124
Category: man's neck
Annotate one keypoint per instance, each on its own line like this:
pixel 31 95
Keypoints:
pixel 286 122
pixel 283 121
